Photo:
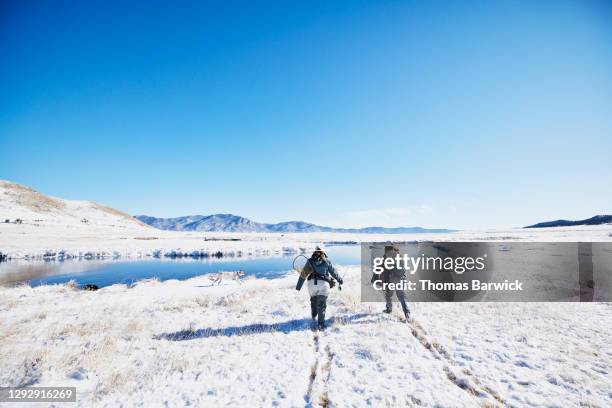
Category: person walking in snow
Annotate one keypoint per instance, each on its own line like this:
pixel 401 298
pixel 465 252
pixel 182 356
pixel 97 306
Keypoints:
pixel 394 275
pixel 322 277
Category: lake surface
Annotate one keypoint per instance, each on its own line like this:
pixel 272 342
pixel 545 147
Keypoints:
pixel 109 272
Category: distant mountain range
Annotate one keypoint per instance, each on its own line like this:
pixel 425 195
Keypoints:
pixel 596 220
pixel 236 223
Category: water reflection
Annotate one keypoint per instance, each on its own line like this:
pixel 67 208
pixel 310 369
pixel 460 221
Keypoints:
pixel 108 272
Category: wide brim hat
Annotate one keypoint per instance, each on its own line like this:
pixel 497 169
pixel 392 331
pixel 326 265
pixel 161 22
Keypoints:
pixel 391 246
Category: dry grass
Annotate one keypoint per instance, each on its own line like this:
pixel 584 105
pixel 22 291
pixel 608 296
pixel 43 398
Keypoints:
pixel 31 198
pixel 118 213
pixel 203 301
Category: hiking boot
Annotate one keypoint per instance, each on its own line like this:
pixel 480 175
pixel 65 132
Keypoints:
pixel 321 326
pixel 313 307
pixel 388 311
pixel 321 306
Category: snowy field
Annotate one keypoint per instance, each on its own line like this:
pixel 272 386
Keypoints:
pixel 178 343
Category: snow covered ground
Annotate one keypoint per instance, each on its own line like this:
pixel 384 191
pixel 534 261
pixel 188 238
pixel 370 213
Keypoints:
pixel 178 343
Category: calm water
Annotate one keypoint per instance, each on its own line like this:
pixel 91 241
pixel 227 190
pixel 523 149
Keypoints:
pixel 109 272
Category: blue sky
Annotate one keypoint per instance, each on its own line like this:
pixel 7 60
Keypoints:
pixel 439 114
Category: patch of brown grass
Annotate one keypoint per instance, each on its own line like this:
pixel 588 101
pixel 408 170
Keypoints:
pixel 31 198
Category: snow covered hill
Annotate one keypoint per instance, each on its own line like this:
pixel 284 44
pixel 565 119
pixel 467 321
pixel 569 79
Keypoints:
pixel 36 226
pixel 23 205
pixel 596 220
pixel 227 223
pixel 236 223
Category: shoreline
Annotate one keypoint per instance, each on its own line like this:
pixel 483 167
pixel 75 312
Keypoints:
pixel 28 242
pixel 62 255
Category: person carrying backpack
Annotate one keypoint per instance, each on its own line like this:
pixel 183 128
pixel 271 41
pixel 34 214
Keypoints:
pixel 322 276
pixel 394 275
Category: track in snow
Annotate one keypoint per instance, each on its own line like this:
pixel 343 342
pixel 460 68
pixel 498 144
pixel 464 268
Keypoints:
pixel 475 387
pixel 317 393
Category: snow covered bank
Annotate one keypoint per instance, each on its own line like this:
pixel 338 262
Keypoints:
pixel 29 241
pixel 187 342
